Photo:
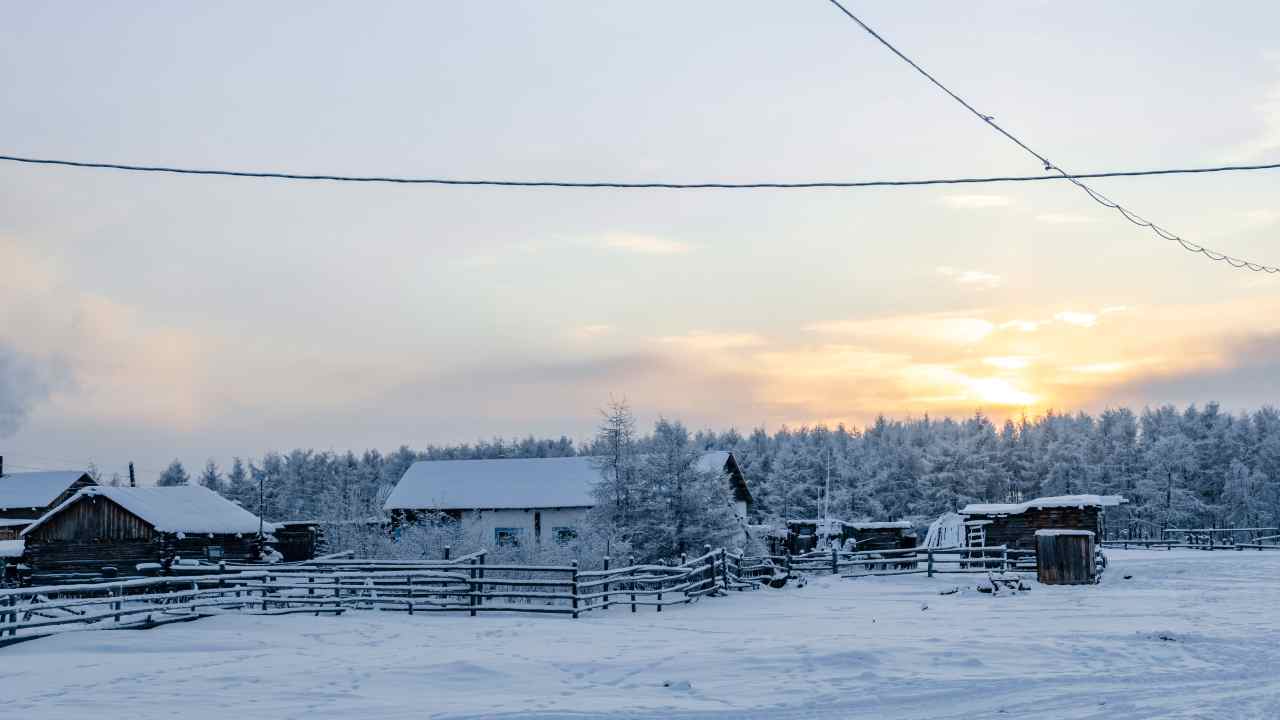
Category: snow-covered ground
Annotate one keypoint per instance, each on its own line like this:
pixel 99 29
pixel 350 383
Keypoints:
pixel 1191 635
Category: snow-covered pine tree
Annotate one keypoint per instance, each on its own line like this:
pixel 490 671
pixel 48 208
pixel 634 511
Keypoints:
pixel 173 475
pixel 211 477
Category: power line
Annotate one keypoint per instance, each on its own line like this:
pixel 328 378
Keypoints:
pixel 1074 179
pixel 588 184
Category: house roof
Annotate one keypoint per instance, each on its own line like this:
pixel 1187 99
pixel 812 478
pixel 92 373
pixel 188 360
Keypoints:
pixel 35 489
pixel 513 483
pixel 178 509
pixel 1057 501
pixel 494 484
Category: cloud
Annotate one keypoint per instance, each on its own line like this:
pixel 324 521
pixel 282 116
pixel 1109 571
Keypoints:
pixel 1025 326
pixel 1065 219
pixel 645 245
pixel 1079 319
pixel 977 202
pixel 969 278
pixel 25 382
pixel 1247 375
pixel 712 341
pixel 915 328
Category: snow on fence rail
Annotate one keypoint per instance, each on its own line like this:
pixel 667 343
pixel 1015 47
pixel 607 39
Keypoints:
pixel 466 584
pixel 927 561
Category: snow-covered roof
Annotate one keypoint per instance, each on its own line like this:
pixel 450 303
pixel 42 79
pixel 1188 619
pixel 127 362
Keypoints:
pixel 494 484
pixel 712 461
pixel 35 489
pixel 12 548
pixel 1057 501
pixel 183 508
pixel 509 483
pixel 15 522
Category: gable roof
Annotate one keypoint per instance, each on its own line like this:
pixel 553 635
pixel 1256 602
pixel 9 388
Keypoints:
pixel 1059 501
pixel 35 489
pixel 494 484
pixel 516 483
pixel 183 508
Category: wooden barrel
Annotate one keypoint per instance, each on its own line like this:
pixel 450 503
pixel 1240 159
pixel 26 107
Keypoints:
pixel 1065 557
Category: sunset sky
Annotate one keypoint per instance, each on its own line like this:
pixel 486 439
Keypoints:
pixel 149 317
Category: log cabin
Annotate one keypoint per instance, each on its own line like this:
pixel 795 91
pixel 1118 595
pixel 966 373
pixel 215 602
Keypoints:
pixel 25 496
pixel 124 526
pixel 518 501
pixel 1014 525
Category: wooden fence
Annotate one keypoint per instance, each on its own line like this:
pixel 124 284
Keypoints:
pixel 1263 544
pixel 926 561
pixel 467 584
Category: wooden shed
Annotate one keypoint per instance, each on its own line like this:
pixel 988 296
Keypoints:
pixel 1014 525
pixel 297 539
pixel 25 496
pixel 806 535
pixel 1065 557
pixel 124 526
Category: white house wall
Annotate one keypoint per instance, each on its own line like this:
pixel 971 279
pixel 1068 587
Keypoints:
pixel 484 523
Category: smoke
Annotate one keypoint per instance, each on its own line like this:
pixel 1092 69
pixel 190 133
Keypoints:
pixel 24 383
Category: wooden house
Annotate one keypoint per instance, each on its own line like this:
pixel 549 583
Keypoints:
pixel 124 526
pixel 522 501
pixel 26 496
pixel 1014 525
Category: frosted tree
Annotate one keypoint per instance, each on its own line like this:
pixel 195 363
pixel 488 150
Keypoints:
pixel 1171 460
pixel 239 487
pixel 680 506
pixel 615 453
pixel 174 475
pixel 211 477
pixel 1242 499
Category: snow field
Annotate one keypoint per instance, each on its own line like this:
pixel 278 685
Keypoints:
pixel 1192 635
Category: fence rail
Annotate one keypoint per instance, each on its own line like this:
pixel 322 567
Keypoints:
pixel 926 561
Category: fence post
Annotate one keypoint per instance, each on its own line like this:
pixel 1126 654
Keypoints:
pixel 117 591
pixel 724 568
pixel 471 587
pixel 605 606
pixel 631 563
pixel 1004 558
pixel 929 555
pixel 787 559
pixel 575 589
pixel 835 561
pixel 480 598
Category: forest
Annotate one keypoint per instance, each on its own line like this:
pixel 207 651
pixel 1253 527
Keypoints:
pixel 1190 467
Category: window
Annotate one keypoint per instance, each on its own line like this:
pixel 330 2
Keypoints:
pixel 508 536
pixel 213 552
pixel 564 534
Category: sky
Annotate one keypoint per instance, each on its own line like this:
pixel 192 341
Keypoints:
pixel 149 317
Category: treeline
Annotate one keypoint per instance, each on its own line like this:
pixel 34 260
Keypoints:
pixel 1197 466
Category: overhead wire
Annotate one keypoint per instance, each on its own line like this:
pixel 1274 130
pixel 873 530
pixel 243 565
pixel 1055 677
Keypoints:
pixel 1050 166
pixel 639 185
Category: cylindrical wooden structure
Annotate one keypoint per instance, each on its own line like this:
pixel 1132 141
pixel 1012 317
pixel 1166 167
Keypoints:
pixel 1065 557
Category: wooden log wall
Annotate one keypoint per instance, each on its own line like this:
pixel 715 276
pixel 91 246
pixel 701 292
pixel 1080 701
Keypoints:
pixel 1019 531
